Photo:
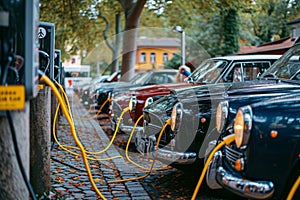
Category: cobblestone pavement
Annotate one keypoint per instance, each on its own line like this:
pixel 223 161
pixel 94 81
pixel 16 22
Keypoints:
pixel 69 178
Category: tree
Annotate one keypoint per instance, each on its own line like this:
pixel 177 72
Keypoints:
pixel 270 18
pixel 75 26
pixel 115 47
pixel 132 10
pixel 230 32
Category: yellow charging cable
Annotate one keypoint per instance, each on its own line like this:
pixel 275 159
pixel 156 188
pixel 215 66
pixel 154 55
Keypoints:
pixel 67 103
pixel 115 133
pixel 64 147
pixel 65 98
pixel 226 141
pixel 294 189
pixel 153 162
pixel 98 112
pixel 127 146
pixel 69 119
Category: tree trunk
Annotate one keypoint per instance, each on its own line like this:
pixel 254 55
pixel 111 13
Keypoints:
pixel 129 53
pixel 116 52
pixel 133 10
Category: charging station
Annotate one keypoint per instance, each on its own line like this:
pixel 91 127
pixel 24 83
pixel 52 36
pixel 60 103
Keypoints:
pixel 46 35
pixel 57 66
pixel 19 52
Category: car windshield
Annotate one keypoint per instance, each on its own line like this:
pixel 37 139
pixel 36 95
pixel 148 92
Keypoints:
pixel 208 71
pixel 138 78
pixel 286 67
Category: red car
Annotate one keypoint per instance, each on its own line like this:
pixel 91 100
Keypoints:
pixel 237 68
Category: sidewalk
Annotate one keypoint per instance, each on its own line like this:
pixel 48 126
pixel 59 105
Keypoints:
pixel 69 179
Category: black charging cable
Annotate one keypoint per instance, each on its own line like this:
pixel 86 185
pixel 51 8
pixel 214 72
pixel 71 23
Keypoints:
pixel 13 133
pixel 45 55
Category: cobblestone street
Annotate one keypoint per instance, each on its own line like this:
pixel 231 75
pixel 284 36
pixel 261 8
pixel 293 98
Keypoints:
pixel 69 179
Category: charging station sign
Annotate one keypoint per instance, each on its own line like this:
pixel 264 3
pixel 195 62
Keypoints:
pixel 12 97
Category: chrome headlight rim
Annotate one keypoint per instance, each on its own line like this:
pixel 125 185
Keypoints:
pixel 243 126
pixel 176 117
pixel 221 115
pixel 132 103
pixel 148 101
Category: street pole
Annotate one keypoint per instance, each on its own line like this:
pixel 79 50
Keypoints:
pixel 180 30
pixel 182 47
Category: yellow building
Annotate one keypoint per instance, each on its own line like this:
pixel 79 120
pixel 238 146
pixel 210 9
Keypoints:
pixel 152 53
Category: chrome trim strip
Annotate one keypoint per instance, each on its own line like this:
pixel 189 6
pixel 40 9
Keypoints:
pixel 146 146
pixel 175 157
pixel 244 187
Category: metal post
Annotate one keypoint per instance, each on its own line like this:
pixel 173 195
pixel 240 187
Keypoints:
pixel 182 47
pixel 181 31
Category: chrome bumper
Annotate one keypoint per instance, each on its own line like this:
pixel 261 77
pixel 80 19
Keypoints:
pixel 146 146
pixel 126 128
pixel 216 174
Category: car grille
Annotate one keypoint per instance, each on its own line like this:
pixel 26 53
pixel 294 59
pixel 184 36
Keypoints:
pixel 232 155
pixel 150 129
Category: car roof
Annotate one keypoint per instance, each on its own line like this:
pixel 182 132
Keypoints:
pixel 248 57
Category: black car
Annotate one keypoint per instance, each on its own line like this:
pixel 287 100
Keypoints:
pixel 192 111
pixel 233 68
pixel 101 94
pixel 264 161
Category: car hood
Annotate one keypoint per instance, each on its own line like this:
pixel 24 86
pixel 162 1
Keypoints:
pixel 290 101
pixel 157 89
pixel 194 96
pixel 143 92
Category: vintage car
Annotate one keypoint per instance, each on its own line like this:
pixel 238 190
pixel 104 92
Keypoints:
pixel 211 71
pixel 263 161
pixel 191 112
pixel 86 90
pixel 104 90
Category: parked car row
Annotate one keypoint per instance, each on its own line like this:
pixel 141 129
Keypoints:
pixel 103 91
pixel 254 97
pixel 226 69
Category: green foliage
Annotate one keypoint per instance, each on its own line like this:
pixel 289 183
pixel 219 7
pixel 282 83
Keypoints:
pixel 78 25
pixel 174 63
pixel 230 32
pixel 270 18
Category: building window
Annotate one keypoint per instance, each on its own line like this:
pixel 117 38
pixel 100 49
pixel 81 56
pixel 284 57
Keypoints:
pixel 152 57
pixel 143 57
pixel 165 57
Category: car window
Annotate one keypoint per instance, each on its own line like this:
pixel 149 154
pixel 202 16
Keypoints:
pixel 286 66
pixel 253 70
pixel 208 71
pixel 289 71
pixel 139 79
pixel 235 75
pixel 170 78
pixel 246 71
pixel 161 78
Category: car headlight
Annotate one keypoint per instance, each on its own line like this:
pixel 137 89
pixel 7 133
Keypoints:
pixel 176 117
pixel 242 126
pixel 132 103
pixel 221 115
pixel 148 101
